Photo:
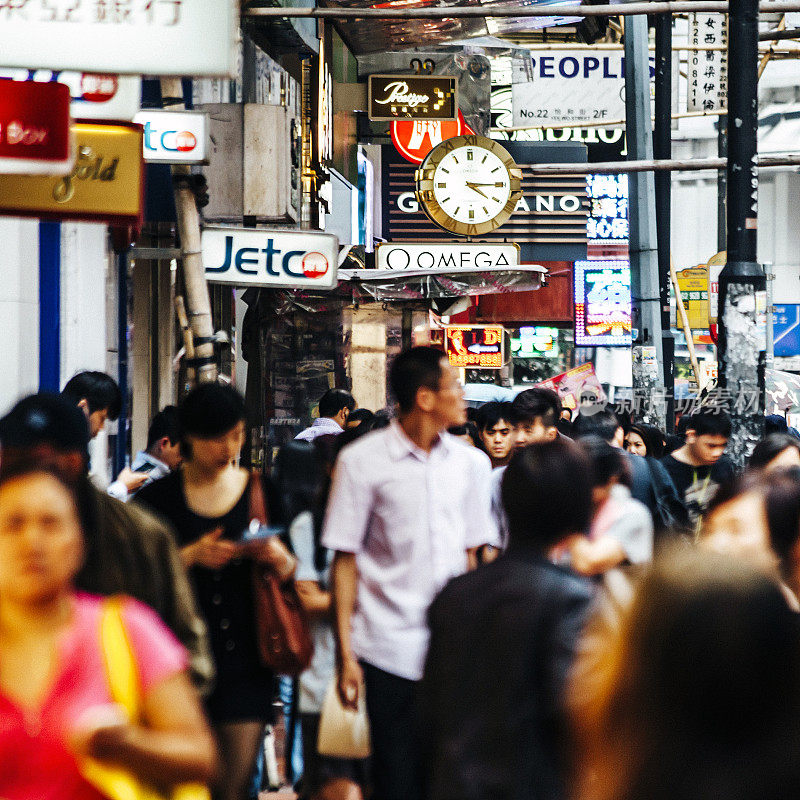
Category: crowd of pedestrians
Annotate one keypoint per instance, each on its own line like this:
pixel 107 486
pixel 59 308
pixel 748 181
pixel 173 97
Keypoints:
pixel 524 602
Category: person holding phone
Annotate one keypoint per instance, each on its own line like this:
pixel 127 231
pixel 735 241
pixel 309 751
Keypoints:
pixel 208 503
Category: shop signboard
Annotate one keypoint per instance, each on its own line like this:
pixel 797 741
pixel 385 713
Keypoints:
pixel 175 137
pixel 425 97
pixel 106 183
pixel 707 77
pixel 474 346
pixel 290 259
pixel 414 139
pixel 34 128
pixel 579 386
pixel 433 255
pixel 94 96
pixel 136 37
pixel 693 283
pixel 786 330
pixel 603 310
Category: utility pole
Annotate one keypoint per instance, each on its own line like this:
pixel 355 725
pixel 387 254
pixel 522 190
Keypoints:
pixel 662 148
pixel 742 284
pixel 198 301
pixel 648 373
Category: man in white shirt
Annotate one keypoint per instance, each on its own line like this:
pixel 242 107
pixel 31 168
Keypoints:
pixel 408 508
pixel 334 409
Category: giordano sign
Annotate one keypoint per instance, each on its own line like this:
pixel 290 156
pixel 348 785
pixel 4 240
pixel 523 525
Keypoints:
pixel 106 183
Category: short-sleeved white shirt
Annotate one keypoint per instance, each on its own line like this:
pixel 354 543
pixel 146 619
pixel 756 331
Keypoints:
pixel 409 517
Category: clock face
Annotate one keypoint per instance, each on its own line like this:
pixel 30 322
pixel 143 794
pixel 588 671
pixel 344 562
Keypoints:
pixel 469 185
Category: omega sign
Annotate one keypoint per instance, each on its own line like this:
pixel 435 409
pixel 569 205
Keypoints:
pixel 272 258
pixel 452 257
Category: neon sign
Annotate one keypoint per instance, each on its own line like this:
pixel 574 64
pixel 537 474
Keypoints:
pixel 608 207
pixel 602 303
pixel 474 346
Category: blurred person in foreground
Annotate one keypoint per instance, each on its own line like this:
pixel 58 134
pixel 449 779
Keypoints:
pixel 207 501
pixel 775 451
pixel 57 706
pixel 409 507
pixel 127 550
pixel 697 696
pixel 161 456
pixel 497 431
pixel 502 640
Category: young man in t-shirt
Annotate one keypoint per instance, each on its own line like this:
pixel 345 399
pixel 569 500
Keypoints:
pixel 699 466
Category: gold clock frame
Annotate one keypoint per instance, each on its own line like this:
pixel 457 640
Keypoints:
pixel 437 215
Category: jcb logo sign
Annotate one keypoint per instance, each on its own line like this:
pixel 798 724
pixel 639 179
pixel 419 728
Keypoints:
pixel 287 259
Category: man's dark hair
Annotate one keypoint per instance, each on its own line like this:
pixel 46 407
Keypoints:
pixel 165 423
pixel 45 419
pixel 210 410
pixel 489 414
pixel 334 400
pixel 100 391
pixel 603 424
pixel 607 462
pixel 412 370
pixel 771 446
pixel 361 416
pixel 547 493
pixel 709 423
pixel 537 403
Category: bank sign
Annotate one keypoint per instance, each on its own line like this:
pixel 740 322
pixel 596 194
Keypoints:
pixel 288 259
pixel 175 137
pixel 454 257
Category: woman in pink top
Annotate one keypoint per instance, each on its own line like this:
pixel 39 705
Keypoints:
pixel 56 706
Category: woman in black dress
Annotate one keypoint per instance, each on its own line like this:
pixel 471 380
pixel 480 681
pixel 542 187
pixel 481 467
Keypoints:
pixel 208 504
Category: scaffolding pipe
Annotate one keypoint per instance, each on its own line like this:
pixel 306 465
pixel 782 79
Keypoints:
pixel 669 164
pixel 466 12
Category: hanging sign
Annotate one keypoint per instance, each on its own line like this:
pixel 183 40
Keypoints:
pixel 603 303
pixel 579 386
pixel 34 128
pixel 693 283
pixel 414 139
pixel 433 97
pixel 474 346
pixel 292 259
pixel 94 96
pixel 149 37
pixel 432 255
pixel 708 69
pixel 175 137
pixel 106 184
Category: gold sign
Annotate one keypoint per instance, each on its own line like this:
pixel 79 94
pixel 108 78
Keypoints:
pixel 106 183
pixel 429 97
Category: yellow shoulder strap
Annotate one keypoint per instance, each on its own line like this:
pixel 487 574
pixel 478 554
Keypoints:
pixel 120 662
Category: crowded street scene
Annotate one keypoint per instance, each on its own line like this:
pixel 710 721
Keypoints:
pixel 399 400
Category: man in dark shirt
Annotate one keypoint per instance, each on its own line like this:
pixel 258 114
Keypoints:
pixel 502 641
pixel 699 466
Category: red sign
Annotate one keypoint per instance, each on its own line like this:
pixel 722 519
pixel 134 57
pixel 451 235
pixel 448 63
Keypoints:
pixel 34 128
pixel 474 346
pixel 414 139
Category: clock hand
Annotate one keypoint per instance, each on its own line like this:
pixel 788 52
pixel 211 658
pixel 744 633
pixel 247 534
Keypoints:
pixel 474 187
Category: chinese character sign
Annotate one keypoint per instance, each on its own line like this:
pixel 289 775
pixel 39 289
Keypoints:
pixel 693 283
pixel 608 208
pixel 475 347
pixel 708 68
pixel 602 303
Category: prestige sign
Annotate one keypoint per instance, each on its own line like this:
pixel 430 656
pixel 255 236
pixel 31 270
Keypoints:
pixel 289 259
pixel 430 255
pixel 427 97
pixel 106 184
pixel 34 128
pixel 150 37
pixel 474 346
pixel 175 137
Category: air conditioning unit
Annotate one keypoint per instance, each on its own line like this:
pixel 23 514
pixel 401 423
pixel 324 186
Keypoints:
pixel 255 163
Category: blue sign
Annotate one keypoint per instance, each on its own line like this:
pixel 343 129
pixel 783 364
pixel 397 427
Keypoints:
pixel 786 330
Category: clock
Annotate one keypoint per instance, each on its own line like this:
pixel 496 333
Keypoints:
pixel 469 185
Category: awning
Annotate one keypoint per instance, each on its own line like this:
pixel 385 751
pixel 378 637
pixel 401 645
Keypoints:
pixel 433 284
pixel 782 138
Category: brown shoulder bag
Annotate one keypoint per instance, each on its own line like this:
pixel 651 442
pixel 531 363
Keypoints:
pixel 284 640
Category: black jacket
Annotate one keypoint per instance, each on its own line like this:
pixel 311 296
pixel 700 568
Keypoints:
pixel 502 641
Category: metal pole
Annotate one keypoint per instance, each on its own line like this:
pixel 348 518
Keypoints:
pixel 650 165
pixel 481 11
pixel 722 185
pixel 49 306
pixel 742 284
pixel 121 445
pixel 662 148
pixel 645 289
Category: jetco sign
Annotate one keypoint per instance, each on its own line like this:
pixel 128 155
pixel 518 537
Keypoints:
pixel 271 258
pixel 175 137
pixel 430 255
